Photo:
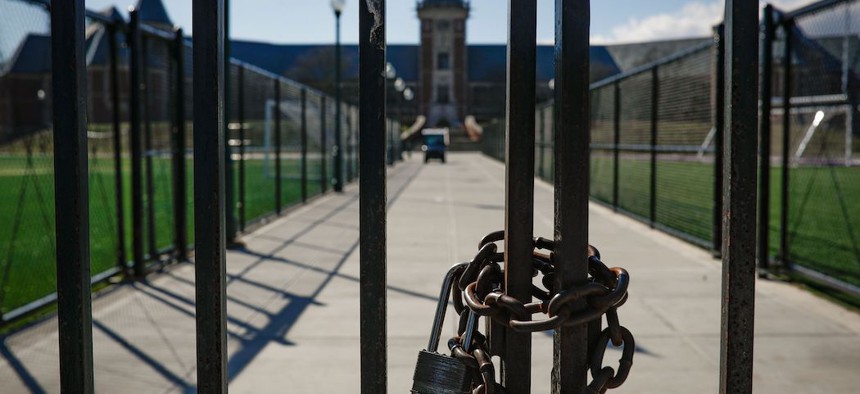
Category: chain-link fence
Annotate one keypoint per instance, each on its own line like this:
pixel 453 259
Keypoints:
pixel 280 137
pixel 655 144
pixel 816 81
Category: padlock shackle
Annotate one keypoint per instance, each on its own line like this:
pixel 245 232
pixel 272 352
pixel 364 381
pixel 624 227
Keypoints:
pixel 442 306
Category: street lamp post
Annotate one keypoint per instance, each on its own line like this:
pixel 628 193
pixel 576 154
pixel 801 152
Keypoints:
pixel 408 95
pixel 337 6
pixel 399 86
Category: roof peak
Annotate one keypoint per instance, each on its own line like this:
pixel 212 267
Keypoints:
pixel 153 12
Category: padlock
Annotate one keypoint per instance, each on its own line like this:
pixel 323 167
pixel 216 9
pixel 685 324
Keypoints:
pixel 437 373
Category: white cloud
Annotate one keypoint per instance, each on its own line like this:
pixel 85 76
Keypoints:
pixel 694 19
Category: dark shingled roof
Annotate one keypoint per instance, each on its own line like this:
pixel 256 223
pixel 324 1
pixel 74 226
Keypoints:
pixel 153 11
pixel 486 63
pixel 33 56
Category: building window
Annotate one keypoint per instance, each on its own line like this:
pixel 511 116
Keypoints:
pixel 442 96
pixel 443 25
pixel 443 61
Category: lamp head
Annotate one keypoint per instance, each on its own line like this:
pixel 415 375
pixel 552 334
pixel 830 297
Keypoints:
pixel 338 6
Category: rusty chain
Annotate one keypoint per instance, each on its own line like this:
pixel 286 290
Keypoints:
pixel 479 289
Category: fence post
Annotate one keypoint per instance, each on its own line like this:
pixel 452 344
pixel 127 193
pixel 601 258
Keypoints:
pixel 231 224
pixel 655 107
pixel 180 187
pixel 719 91
pixel 372 197
pixel 209 187
pixel 304 140
pixel 323 147
pixel 787 26
pixel 147 152
pixel 74 301
pixel 240 90
pixel 278 186
pixel 616 123
pixel 136 148
pixel 122 259
pixel 519 190
pixel 572 345
pixel 765 94
pixel 739 266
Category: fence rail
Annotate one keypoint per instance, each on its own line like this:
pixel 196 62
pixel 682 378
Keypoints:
pixel 140 142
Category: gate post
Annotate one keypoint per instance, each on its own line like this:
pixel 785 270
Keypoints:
pixel 765 95
pixel 572 345
pixel 323 147
pixel 519 190
pixel 209 186
pixel 542 143
pixel 372 197
pixel 739 187
pixel 147 151
pixel 304 140
pixel 74 303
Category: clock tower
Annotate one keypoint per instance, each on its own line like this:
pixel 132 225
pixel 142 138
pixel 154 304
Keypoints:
pixel 443 89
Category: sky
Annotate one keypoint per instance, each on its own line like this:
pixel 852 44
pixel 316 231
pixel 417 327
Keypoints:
pixel 312 21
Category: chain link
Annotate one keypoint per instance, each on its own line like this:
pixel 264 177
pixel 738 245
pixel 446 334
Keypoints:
pixel 479 289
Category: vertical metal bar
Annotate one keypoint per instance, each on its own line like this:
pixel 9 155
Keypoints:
pixel 719 91
pixel 788 27
pixel 136 147
pixel 572 138
pixel 739 188
pixel 338 138
pixel 372 196
pixel 655 108
pixel 616 157
pixel 116 118
pixel 147 152
pixel 541 143
pixel 519 183
pixel 180 186
pixel 323 146
pixel 765 94
pixel 229 168
pixel 304 145
pixel 240 107
pixel 278 181
pixel 209 185
pixel 71 184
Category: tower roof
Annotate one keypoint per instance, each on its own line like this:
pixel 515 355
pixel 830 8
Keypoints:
pixel 153 12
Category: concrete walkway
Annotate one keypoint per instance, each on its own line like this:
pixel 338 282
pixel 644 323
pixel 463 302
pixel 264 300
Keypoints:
pixel 293 303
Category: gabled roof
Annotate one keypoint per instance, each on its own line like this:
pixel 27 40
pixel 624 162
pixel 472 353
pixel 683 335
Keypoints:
pixel 488 63
pixel 153 12
pixel 33 56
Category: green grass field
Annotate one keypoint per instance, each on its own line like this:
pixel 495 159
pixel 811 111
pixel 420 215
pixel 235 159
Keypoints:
pixel 824 207
pixel 27 251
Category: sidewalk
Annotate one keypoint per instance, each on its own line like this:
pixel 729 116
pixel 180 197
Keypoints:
pixel 293 303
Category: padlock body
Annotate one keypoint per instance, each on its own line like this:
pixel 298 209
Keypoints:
pixel 440 374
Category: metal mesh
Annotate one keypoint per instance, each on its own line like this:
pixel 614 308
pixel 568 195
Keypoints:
pixel 602 143
pixel 824 179
pixel 27 255
pixel 634 171
pixel 685 161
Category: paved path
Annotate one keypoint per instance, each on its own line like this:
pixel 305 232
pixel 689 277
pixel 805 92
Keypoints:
pixel 293 303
